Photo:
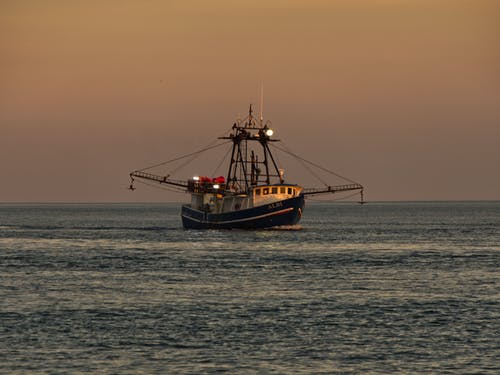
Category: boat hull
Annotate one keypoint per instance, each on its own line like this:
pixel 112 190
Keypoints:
pixel 281 213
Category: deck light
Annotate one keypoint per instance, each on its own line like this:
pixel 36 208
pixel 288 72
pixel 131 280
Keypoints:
pixel 269 132
pixel 216 186
pixel 196 178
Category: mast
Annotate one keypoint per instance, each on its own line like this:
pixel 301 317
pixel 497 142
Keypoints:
pixel 245 168
pixel 261 103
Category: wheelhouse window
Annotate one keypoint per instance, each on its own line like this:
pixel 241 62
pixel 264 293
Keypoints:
pixel 282 190
pixel 257 191
pixel 274 190
pixel 290 191
pixel 265 191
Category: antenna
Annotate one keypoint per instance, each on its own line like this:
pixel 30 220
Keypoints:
pixel 261 102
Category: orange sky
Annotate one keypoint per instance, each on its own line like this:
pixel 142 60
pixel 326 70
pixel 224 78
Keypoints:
pixel 400 95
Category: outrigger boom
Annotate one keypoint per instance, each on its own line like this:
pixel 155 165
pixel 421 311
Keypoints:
pixel 157 178
pixel 332 189
pixel 305 191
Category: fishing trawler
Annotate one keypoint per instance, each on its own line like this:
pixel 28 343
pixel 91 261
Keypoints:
pixel 253 194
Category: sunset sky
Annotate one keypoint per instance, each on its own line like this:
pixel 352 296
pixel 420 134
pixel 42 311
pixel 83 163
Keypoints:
pixel 402 96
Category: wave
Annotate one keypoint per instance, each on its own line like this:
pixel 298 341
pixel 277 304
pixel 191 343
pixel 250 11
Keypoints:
pixel 288 227
pixel 84 228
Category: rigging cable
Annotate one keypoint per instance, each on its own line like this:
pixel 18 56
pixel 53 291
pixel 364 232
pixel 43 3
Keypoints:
pixel 171 189
pixel 314 164
pixel 306 167
pixel 221 162
pixel 199 153
pixel 183 156
pixel 333 200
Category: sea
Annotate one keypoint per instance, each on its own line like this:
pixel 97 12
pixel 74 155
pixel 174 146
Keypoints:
pixel 379 288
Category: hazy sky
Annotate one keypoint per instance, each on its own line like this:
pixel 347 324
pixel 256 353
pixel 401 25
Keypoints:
pixel 400 95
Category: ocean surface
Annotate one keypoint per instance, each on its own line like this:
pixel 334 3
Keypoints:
pixel 411 288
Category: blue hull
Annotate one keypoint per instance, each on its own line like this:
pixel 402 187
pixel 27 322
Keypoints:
pixel 285 212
